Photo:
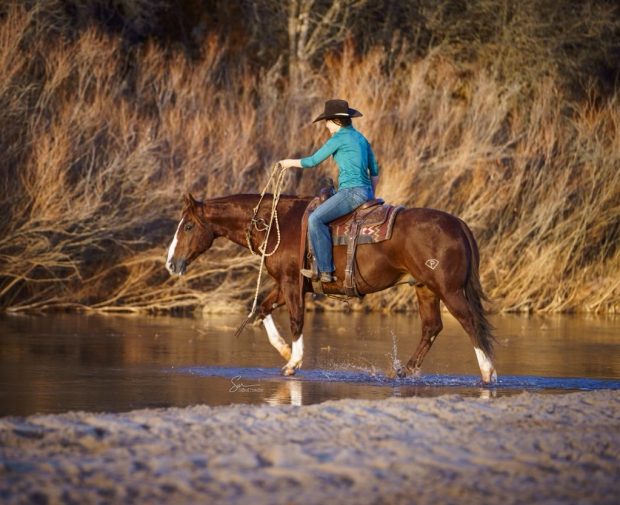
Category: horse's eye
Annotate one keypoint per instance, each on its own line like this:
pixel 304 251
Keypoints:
pixel 189 227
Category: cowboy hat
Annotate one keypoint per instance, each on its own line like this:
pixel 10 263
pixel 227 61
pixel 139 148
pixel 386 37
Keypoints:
pixel 337 108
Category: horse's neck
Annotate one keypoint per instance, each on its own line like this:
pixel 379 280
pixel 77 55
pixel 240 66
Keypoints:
pixel 230 216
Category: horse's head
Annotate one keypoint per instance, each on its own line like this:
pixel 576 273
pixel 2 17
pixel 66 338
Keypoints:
pixel 194 236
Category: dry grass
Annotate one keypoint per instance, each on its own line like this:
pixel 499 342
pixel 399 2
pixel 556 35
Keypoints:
pixel 97 156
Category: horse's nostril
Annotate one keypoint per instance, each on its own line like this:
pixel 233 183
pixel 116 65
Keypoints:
pixel 170 266
pixel 182 267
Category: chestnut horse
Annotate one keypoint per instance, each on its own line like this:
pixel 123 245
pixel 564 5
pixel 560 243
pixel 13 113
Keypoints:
pixel 436 248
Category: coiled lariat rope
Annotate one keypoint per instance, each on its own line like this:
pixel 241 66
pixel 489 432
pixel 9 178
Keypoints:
pixel 276 180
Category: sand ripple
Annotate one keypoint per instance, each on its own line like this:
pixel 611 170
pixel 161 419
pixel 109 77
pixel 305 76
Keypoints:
pixel 523 449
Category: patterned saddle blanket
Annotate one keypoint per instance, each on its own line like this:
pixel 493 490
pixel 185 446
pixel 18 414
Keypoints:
pixel 374 219
pixel 370 223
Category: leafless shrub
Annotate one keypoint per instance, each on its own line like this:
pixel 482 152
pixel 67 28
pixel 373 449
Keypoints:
pixel 96 158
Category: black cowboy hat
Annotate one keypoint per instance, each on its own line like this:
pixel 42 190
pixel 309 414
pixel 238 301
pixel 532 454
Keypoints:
pixel 337 108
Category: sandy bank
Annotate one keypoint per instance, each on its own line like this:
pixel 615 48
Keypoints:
pixel 524 449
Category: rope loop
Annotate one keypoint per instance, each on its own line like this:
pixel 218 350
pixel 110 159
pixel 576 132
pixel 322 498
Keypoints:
pixel 276 180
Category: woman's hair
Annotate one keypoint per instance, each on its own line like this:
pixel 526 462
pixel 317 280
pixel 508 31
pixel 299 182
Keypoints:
pixel 342 121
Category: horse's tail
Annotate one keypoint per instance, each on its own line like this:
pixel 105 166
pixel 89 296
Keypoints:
pixel 475 296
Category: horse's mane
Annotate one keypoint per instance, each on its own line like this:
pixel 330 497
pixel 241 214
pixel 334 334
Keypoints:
pixel 241 198
pixel 192 208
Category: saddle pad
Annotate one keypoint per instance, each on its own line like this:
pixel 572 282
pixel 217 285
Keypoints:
pixel 376 225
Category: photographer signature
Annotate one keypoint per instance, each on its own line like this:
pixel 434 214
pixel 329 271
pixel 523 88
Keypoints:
pixel 239 387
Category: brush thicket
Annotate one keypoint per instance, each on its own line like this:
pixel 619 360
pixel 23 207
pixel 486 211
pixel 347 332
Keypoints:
pixel 99 146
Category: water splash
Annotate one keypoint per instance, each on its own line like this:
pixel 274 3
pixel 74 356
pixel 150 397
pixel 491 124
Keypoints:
pixel 515 383
pixel 394 365
pixel 365 367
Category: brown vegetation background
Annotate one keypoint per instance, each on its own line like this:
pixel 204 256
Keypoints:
pixel 503 113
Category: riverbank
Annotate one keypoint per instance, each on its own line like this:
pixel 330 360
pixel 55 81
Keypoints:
pixel 519 140
pixel 529 448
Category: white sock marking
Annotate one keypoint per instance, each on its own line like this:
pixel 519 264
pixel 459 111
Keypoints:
pixel 172 248
pixel 297 355
pixel 275 338
pixel 486 366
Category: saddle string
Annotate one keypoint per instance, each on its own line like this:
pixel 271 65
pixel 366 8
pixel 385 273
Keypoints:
pixel 277 180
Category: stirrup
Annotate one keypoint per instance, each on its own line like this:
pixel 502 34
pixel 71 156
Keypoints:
pixel 306 272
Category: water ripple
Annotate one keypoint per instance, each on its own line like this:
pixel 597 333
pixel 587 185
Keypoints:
pixel 525 382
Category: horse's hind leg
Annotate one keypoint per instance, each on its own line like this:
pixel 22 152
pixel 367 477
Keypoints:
pixel 430 317
pixel 459 307
pixel 272 300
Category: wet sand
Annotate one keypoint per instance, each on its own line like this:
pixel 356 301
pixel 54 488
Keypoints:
pixel 528 448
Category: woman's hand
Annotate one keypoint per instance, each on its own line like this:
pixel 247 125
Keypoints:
pixel 290 163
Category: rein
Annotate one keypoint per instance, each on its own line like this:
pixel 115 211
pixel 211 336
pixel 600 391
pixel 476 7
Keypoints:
pixel 277 177
pixel 277 180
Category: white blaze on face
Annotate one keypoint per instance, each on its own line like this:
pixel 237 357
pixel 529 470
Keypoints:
pixel 487 370
pixel 172 248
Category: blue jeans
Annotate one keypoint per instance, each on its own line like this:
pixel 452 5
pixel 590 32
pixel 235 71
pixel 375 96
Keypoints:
pixel 343 202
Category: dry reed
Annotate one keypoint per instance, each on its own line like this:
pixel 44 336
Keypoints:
pixel 97 158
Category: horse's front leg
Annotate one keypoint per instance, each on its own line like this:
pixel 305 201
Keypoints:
pixel 295 302
pixel 273 300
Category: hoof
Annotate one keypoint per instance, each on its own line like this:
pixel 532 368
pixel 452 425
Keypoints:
pixel 403 372
pixel 287 371
pixel 491 379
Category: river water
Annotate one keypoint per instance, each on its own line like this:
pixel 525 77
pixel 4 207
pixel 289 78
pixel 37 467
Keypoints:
pixel 57 363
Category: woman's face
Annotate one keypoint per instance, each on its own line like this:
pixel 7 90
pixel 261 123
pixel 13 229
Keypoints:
pixel 331 126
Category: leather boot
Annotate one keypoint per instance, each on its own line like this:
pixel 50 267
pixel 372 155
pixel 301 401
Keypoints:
pixel 326 278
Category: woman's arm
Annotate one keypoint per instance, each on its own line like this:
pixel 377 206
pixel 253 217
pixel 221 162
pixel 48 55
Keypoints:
pixel 290 163
pixel 373 169
pixel 322 154
pixel 318 157
pixel 372 163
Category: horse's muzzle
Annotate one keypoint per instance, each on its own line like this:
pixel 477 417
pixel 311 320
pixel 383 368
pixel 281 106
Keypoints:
pixel 176 267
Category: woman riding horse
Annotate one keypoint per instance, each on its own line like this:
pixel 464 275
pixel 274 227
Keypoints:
pixel 437 249
pixel 358 174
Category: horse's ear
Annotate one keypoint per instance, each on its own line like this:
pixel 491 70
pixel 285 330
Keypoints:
pixel 189 200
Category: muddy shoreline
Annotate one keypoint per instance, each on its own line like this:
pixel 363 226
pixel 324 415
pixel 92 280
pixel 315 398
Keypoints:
pixel 529 448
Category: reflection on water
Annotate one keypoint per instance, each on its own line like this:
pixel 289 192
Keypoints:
pixel 116 363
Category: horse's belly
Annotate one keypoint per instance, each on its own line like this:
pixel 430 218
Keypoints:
pixel 375 268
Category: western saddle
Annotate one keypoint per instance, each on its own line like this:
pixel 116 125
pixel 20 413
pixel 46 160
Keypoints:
pixel 370 223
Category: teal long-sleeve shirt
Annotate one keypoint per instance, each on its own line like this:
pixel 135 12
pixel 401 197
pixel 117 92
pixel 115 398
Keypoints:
pixel 353 154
